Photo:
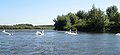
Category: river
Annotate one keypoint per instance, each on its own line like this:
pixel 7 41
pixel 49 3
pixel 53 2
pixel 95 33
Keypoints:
pixel 25 42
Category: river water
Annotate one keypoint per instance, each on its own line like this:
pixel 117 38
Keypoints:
pixel 25 42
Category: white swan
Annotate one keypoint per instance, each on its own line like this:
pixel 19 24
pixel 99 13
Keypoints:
pixel 117 34
pixel 40 33
pixel 71 33
pixel 6 32
pixel 68 31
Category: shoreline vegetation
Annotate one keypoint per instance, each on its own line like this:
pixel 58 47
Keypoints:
pixel 26 26
pixel 94 20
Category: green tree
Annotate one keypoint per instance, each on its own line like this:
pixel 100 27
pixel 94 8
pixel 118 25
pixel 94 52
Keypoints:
pixel 94 20
pixel 74 20
pixel 97 18
pixel 82 14
pixel 114 17
pixel 62 23
pixel 111 12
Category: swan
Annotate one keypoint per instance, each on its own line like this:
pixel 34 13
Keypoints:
pixel 68 31
pixel 40 33
pixel 71 33
pixel 6 32
pixel 117 34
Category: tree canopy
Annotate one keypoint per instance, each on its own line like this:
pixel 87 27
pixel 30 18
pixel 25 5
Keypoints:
pixel 94 20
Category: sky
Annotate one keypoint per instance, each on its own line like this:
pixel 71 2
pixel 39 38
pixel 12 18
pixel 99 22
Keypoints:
pixel 42 12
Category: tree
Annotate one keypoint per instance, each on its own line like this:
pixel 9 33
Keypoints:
pixel 114 17
pixel 94 20
pixel 82 25
pixel 62 23
pixel 82 14
pixel 111 12
pixel 74 20
pixel 96 17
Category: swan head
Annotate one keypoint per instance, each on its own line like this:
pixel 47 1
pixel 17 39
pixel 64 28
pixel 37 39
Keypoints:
pixel 3 31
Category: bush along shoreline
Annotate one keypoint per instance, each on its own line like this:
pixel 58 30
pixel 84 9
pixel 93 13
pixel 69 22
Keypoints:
pixel 26 26
pixel 94 20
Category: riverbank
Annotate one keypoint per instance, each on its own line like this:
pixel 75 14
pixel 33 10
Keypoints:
pixel 26 26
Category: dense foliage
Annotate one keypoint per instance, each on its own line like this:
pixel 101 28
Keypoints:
pixel 94 20
pixel 26 26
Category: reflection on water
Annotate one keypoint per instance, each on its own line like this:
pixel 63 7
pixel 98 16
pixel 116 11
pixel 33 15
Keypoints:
pixel 25 42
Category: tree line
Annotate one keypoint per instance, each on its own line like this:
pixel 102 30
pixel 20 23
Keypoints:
pixel 26 26
pixel 94 20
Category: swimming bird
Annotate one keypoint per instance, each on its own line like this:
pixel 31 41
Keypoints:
pixel 6 32
pixel 71 33
pixel 40 33
pixel 68 31
pixel 117 34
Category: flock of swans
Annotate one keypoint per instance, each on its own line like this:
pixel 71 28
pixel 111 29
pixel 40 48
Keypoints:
pixel 39 33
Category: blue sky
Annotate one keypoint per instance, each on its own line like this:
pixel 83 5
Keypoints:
pixel 42 12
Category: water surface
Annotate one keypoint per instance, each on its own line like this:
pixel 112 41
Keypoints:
pixel 25 42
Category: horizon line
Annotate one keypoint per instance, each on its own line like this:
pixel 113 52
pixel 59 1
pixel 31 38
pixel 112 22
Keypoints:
pixel 27 23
